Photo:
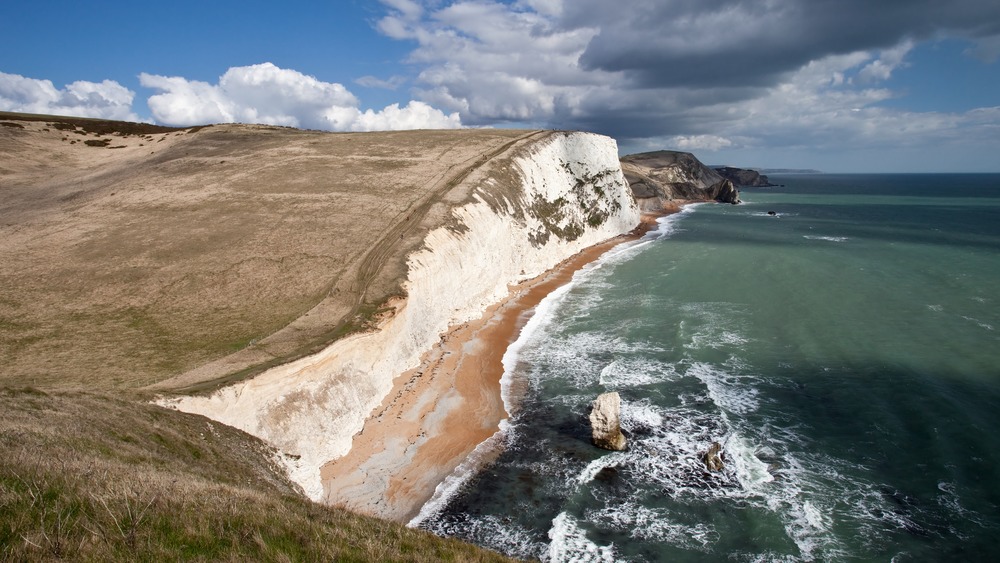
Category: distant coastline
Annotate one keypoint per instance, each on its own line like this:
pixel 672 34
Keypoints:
pixel 788 171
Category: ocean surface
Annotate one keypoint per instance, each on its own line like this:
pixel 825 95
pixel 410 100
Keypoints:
pixel 845 353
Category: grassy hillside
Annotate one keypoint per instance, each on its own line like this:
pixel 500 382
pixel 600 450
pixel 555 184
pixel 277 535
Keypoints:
pixel 135 256
pixel 91 477
pixel 211 252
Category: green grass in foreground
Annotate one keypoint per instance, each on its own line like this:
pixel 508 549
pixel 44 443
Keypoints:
pixel 93 477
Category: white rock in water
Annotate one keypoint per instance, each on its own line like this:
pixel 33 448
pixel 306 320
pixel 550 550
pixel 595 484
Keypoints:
pixel 605 422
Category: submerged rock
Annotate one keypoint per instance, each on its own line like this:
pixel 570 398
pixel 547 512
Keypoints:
pixel 605 422
pixel 713 457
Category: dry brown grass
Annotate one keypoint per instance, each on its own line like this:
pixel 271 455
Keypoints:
pixel 90 477
pixel 247 244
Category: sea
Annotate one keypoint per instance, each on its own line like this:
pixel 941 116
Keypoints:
pixel 838 336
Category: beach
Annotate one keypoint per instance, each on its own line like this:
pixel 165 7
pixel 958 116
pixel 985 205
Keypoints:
pixel 438 413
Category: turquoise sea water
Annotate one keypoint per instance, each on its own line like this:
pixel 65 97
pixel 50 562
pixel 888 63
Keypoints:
pixel 845 353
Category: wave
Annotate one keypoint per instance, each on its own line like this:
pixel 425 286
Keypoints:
pixel 544 312
pixel 570 543
pixel 452 484
pixel 826 238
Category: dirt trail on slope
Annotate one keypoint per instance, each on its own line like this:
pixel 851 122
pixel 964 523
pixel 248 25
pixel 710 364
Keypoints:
pixel 371 286
pixel 132 257
pixel 376 259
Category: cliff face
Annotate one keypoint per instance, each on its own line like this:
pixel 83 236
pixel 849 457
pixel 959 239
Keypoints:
pixel 527 213
pixel 743 177
pixel 661 177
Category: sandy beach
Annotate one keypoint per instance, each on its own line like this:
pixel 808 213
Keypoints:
pixel 438 413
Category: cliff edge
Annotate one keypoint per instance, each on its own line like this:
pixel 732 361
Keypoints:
pixel 661 179
pixel 526 209
pixel 744 177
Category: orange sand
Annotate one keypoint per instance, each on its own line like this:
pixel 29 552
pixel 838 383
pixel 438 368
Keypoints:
pixel 438 413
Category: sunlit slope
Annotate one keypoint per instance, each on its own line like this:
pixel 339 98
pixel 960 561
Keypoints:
pixel 131 254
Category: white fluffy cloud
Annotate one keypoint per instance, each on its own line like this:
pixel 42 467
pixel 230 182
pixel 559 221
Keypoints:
pixel 494 62
pixel 265 93
pixel 105 100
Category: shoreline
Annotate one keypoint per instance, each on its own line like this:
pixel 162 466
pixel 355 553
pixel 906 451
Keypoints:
pixel 439 413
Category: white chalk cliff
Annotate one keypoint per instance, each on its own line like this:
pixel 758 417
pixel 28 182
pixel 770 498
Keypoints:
pixel 571 194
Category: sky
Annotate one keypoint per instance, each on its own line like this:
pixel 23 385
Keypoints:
pixel 833 85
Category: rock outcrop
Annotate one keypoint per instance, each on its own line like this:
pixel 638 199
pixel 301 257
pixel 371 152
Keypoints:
pixel 660 179
pixel 725 192
pixel 713 457
pixel 605 422
pixel 744 178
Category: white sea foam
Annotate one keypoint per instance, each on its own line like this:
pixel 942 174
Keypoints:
pixel 716 340
pixel 667 225
pixel 498 534
pixel 596 357
pixel 732 394
pixel 593 468
pixel 636 371
pixel 979 323
pixel 712 325
pixel 541 316
pixel 809 527
pixel 451 484
pixel 668 459
pixel 571 545
pixel 645 523
pixel 949 499
pixel 752 473
pixel 640 414
pixel 826 238
pixel 544 311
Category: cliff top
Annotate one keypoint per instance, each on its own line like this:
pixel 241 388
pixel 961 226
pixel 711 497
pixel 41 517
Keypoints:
pixel 133 253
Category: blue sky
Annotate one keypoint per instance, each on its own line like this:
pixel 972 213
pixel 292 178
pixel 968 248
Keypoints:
pixel 838 85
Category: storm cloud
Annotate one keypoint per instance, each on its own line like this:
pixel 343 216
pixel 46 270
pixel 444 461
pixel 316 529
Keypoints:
pixel 722 42
pixel 724 73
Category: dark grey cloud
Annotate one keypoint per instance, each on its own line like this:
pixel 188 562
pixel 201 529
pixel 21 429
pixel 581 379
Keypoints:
pixel 720 74
pixel 757 42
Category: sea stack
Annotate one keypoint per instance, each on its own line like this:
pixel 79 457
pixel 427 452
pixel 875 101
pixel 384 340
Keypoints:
pixel 605 424
pixel 713 457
